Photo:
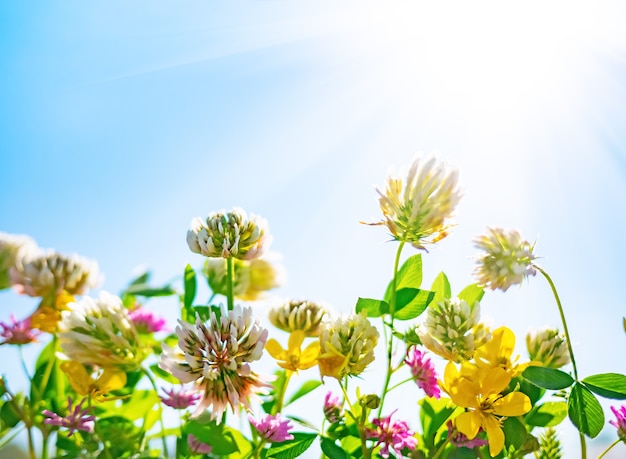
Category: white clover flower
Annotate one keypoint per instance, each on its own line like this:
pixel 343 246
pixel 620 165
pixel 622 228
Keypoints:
pixel 418 209
pixel 347 345
pixel 12 247
pixel 216 357
pixel 99 332
pixel 505 259
pixel 229 234
pixel 452 329
pixel 549 347
pixel 252 278
pixel 42 273
pixel 298 315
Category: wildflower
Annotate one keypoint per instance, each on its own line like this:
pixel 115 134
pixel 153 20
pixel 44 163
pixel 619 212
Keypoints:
pixel 252 278
pixel 480 391
pixel 461 441
pixel 452 329
pixel 12 247
pixel 216 357
pixel 196 446
pixel 77 418
pixel 346 345
pixel 332 407
pixel 18 331
pixel 293 358
pixel 179 399
pixel 423 371
pixel 46 273
pixel 229 234
pixel 100 332
pixel 506 259
pixel 146 321
pixel 298 315
pixel 418 210
pixel 272 428
pixel 549 347
pixel 620 421
pixel 392 434
pixel 48 314
pixel 498 351
pixel 98 385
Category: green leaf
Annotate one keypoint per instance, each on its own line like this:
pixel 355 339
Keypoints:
pixel 147 291
pixel 411 302
pixel 219 436
pixel 332 450
pixel 471 294
pixel 585 411
pixel 9 415
pixel 139 404
pixel 548 378
pixel 307 387
pixel 548 414
pixel 515 433
pixel 609 385
pixel 141 279
pixel 374 308
pixel 292 448
pixel 409 276
pixel 441 287
pixel 433 414
pixel 158 371
pixel 190 286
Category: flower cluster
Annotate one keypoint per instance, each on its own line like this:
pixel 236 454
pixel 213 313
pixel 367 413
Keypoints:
pixel 113 375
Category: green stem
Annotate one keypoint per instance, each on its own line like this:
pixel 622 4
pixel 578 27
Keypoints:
pixel 611 446
pixel 23 362
pixel 360 423
pixel 392 310
pixel 31 447
pixel 156 391
pixel 583 442
pixel 229 284
pixel 280 397
pixel 395 386
pixel 562 314
pixel 442 447
pixel 49 366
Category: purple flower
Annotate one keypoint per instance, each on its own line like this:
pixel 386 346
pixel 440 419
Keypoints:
pixel 461 441
pixel 423 371
pixel 394 434
pixel 272 428
pixel 146 321
pixel 332 407
pixel 18 331
pixel 620 421
pixel 77 418
pixel 179 399
pixel 196 446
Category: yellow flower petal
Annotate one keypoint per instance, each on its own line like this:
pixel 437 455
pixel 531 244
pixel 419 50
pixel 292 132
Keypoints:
pixel 110 380
pixel 295 340
pixel 495 381
pixel 275 349
pixel 468 423
pixel 77 376
pixel 494 434
pixel 513 404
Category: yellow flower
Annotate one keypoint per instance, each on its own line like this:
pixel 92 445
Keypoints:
pixel 293 358
pixel 479 390
pixel 48 315
pixel 84 384
pixel 497 352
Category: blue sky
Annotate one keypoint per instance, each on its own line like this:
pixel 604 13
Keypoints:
pixel 120 122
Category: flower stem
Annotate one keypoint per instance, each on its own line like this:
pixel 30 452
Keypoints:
pixel 156 391
pixel 229 284
pixel 583 444
pixel 360 423
pixel 392 310
pixel 280 396
pixel 441 448
pixel 609 448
